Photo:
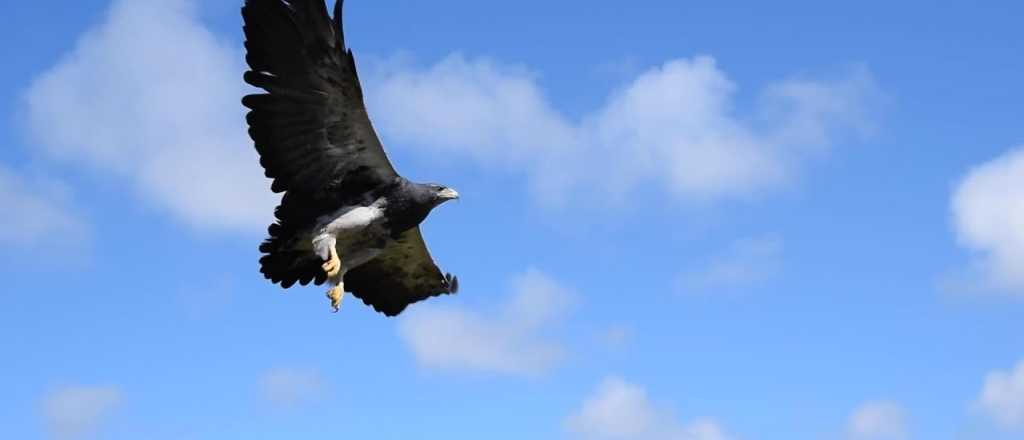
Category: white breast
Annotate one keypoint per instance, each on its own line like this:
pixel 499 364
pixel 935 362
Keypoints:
pixel 343 226
pixel 353 219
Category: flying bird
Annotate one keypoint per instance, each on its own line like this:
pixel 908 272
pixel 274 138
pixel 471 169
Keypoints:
pixel 346 218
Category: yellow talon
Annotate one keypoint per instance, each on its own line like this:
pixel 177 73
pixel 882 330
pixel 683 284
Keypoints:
pixel 335 294
pixel 332 266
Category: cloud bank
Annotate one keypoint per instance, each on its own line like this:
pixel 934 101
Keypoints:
pixel 509 340
pixel 621 410
pixel 674 126
pixel 151 96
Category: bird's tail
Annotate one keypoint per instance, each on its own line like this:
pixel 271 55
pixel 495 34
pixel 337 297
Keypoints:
pixel 283 264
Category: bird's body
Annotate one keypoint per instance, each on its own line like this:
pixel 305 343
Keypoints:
pixel 362 232
pixel 346 218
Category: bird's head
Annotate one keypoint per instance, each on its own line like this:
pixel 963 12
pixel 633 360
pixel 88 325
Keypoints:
pixel 441 193
pixel 428 195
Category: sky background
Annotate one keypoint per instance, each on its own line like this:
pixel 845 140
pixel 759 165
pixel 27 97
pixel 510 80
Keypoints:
pixel 679 220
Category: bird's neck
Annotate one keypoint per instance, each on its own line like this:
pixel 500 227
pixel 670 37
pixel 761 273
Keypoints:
pixel 406 207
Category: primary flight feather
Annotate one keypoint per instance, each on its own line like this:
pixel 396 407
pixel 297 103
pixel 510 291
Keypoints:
pixel 346 218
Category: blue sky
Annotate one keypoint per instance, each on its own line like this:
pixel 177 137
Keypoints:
pixel 680 220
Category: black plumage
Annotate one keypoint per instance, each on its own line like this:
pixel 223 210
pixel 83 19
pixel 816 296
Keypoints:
pixel 317 144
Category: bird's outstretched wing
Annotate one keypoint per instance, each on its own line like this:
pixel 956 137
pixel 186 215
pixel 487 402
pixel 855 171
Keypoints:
pixel 402 274
pixel 311 129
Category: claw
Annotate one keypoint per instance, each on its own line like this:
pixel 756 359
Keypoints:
pixel 335 295
pixel 333 265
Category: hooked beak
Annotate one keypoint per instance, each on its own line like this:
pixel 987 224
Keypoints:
pixel 448 194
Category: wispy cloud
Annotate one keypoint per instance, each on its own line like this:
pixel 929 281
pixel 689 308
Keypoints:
pixel 79 411
pixel 616 336
pixel 291 387
pixel 988 214
pixel 205 299
pixel 675 125
pixel 39 213
pixel 151 96
pixel 621 410
pixel 745 262
pixel 880 420
pixel 508 340
pixel 1002 397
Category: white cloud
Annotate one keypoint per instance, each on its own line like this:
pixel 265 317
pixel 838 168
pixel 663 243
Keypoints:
pixel 988 214
pixel 616 336
pixel 151 96
pixel 206 299
pixel 508 341
pixel 877 421
pixel 38 212
pixel 478 107
pixel 620 410
pixel 1002 397
pixel 674 125
pixel 79 411
pixel 291 387
pixel 745 262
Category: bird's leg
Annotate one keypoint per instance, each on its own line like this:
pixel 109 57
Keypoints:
pixel 333 269
pixel 333 265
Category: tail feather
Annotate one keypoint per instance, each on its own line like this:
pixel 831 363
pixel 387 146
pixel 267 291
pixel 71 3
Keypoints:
pixel 286 266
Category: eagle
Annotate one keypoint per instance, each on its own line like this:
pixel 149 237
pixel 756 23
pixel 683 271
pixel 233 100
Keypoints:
pixel 346 217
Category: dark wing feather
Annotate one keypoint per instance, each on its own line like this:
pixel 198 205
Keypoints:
pixel 402 274
pixel 311 128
